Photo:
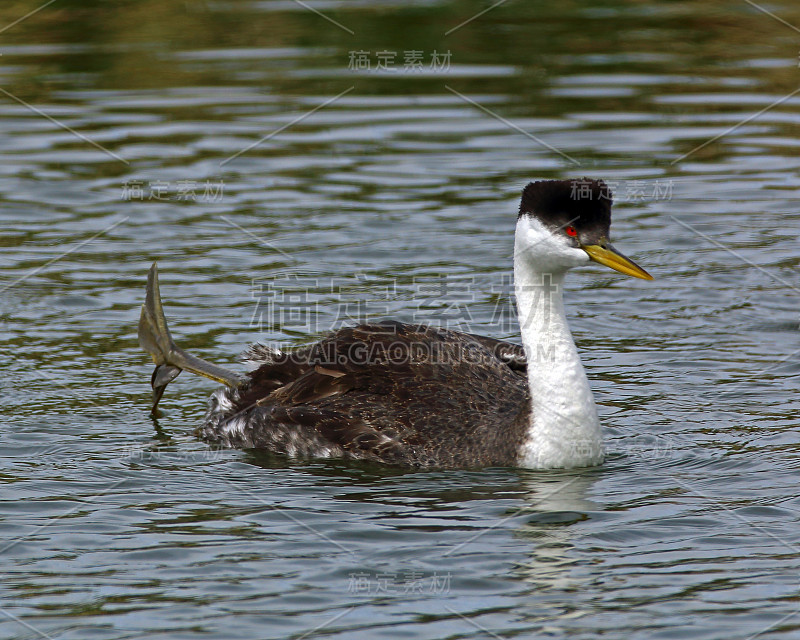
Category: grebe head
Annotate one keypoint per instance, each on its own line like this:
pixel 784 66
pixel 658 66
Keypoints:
pixel 566 223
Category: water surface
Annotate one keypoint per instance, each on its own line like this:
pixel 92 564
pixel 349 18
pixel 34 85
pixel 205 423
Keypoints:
pixel 284 191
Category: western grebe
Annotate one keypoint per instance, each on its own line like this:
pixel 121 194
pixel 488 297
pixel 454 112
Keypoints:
pixel 423 396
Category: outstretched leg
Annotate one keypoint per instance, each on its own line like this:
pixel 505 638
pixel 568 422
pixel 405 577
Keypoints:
pixel 155 338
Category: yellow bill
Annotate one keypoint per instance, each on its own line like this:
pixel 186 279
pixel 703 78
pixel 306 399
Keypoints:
pixel 610 257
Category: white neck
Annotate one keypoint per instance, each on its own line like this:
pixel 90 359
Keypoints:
pixel 564 430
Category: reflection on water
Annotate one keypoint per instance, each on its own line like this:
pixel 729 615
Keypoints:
pixel 551 507
pixel 243 146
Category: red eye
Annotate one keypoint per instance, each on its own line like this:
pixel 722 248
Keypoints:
pixel 571 231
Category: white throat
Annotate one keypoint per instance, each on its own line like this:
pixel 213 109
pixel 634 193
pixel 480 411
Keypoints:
pixel 564 430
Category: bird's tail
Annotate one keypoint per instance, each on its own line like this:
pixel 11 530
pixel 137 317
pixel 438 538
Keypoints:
pixel 155 338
